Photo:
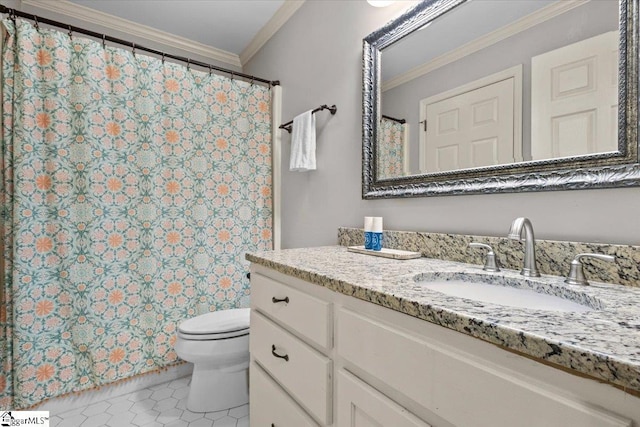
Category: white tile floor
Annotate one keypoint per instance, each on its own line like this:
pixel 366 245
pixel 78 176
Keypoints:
pixel 156 406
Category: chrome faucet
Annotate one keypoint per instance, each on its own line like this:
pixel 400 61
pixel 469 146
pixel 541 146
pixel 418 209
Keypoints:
pixel 530 268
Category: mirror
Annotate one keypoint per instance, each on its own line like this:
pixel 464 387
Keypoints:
pixel 491 96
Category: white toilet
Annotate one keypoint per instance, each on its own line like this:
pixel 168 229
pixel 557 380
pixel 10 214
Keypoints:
pixel 217 344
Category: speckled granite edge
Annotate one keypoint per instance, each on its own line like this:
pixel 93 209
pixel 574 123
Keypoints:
pixel 598 346
pixel 553 257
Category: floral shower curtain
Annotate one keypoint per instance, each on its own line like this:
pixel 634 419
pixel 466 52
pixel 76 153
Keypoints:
pixel 390 149
pixel 131 189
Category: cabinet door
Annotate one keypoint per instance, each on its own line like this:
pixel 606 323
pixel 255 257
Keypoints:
pixel 271 406
pixel 360 405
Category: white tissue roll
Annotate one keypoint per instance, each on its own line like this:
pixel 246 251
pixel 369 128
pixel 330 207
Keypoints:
pixel 377 224
pixel 368 223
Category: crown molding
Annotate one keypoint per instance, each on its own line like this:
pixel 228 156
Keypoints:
pixel 282 15
pixel 86 14
pixel 524 23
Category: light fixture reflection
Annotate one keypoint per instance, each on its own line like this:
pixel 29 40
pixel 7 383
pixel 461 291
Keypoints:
pixel 380 3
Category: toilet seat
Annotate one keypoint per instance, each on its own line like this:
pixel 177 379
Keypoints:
pixel 217 325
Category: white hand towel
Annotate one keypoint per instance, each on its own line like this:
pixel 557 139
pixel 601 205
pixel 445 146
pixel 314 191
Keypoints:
pixel 303 143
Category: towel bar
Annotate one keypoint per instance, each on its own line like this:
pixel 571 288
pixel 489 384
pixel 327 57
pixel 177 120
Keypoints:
pixel 289 125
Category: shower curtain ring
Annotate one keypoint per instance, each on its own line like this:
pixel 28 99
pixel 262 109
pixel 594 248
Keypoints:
pixel 12 15
pixel 70 33
pixel 252 79
pixel 104 41
pixel 163 54
pixel 188 64
pixel 133 49
pixel 209 69
pixel 232 75
pixel 35 24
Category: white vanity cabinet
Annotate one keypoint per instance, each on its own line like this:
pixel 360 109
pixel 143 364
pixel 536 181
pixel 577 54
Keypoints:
pixel 356 364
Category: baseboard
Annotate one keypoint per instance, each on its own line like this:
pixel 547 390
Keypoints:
pixel 68 403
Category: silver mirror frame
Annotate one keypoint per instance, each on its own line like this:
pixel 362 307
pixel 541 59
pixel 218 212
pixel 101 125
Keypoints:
pixel 606 170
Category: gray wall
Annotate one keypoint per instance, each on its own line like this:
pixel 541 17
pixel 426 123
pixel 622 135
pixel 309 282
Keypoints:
pixel 317 55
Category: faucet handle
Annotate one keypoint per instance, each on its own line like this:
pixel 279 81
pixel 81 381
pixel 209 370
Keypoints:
pixel 576 270
pixel 490 261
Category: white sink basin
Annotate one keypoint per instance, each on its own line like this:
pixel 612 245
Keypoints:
pixel 507 292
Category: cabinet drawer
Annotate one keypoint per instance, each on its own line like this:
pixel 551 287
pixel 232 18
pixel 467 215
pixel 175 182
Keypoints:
pixel 360 405
pixel 302 313
pixel 301 370
pixel 270 405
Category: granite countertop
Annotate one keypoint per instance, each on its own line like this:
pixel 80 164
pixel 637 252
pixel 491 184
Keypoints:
pixel 603 343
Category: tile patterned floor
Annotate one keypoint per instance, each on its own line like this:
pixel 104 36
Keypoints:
pixel 162 405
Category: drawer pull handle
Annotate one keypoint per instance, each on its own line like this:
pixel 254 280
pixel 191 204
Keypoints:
pixel 277 300
pixel 273 351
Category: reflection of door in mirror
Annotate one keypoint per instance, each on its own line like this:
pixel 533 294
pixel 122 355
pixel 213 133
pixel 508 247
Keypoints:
pixel 498 35
pixel 574 99
pixel 474 125
pixel 392 151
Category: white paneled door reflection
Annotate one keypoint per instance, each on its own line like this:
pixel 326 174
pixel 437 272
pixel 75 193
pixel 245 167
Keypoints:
pixel 475 125
pixel 574 99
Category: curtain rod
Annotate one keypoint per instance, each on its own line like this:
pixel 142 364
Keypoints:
pixel 401 121
pixel 72 29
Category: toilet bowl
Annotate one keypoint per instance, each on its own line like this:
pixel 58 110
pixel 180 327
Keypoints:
pixel 217 344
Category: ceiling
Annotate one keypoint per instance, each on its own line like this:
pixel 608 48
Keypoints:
pixel 443 35
pixel 221 32
pixel 229 25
